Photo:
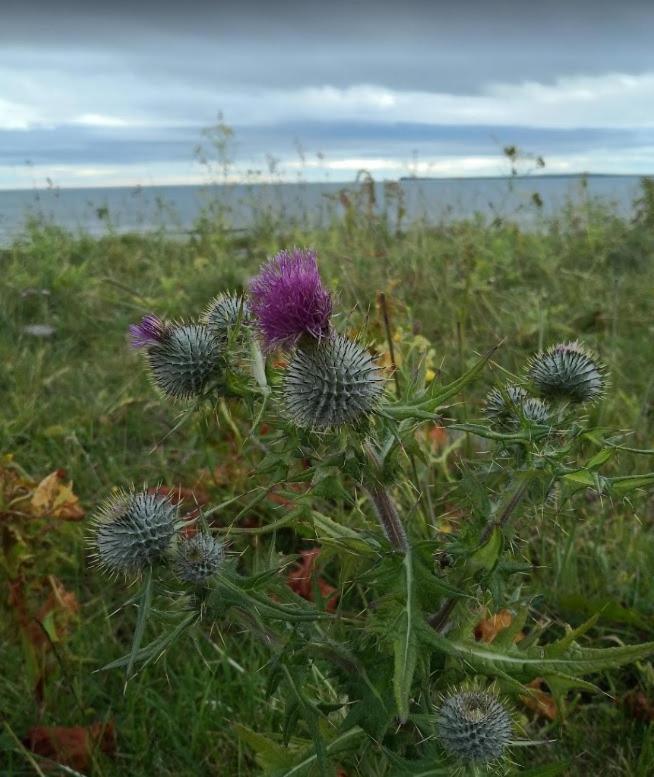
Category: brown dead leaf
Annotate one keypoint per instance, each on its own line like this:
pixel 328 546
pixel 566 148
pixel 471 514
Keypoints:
pixel 54 497
pixel 72 746
pixel 539 700
pixel 489 627
pixel 638 706
pixel 300 579
pixel 55 615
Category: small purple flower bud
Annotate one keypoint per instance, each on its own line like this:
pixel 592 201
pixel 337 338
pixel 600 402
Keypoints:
pixel 151 330
pixel 288 299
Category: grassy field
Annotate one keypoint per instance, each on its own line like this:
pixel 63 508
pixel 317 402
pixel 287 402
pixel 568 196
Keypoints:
pixel 79 400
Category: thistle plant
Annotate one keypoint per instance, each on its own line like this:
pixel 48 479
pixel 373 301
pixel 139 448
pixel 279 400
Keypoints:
pixel 198 558
pixel 183 358
pixel 474 726
pixel 331 383
pixel 568 371
pixel 132 531
pixel 357 659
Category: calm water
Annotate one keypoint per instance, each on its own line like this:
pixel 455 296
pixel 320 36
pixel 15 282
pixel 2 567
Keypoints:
pixel 178 207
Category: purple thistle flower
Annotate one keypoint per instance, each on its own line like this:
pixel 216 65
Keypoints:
pixel 151 330
pixel 288 299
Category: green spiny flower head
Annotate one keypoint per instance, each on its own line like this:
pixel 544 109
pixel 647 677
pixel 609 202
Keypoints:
pixel 331 383
pixel 199 558
pixel 185 360
pixel 535 411
pixel 502 406
pixel 132 531
pixel 507 407
pixel 568 371
pixel 223 313
pixel 474 726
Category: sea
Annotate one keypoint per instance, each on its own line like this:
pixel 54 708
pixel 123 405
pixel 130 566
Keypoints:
pixel 530 201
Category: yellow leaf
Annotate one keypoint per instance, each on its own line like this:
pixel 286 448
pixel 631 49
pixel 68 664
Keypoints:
pixel 55 498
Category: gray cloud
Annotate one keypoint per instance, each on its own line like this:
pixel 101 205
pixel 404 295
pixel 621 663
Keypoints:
pixel 453 47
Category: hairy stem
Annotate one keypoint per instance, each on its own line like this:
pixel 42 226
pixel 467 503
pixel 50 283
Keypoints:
pixel 388 517
pixel 385 510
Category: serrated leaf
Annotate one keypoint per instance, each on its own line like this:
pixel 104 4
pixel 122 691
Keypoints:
pixel 404 645
pixel 536 660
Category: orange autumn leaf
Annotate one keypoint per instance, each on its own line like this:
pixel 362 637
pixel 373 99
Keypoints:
pixel 488 628
pixel 539 700
pixel 300 579
pixel 438 437
pixel 72 746
pixel 55 498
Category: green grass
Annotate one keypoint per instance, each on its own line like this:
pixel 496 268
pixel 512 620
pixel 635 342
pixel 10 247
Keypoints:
pixel 81 400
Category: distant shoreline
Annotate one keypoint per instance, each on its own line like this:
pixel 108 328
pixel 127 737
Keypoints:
pixel 527 176
pixel 342 184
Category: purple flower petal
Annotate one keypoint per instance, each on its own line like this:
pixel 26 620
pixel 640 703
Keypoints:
pixel 149 331
pixel 288 299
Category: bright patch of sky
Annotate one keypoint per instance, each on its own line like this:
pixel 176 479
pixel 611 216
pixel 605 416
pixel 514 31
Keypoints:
pixel 120 96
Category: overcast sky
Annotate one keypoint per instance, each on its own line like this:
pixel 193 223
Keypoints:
pixel 120 94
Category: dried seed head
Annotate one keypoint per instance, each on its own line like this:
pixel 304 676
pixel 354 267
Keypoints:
pixel 331 383
pixel 568 371
pixel 474 726
pixel 198 558
pixel 223 313
pixel 184 362
pixel 132 531
pixel 506 408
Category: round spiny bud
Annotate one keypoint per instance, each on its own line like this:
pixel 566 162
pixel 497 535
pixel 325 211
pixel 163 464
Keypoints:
pixel 183 363
pixel 508 407
pixel 502 407
pixel 132 531
pixel 223 313
pixel 331 383
pixel 535 411
pixel 198 558
pixel 568 371
pixel 474 726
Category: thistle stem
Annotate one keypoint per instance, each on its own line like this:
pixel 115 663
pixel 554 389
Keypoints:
pixel 385 510
pixel 388 517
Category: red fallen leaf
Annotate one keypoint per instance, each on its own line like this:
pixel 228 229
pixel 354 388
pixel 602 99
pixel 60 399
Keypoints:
pixel 72 746
pixel 300 580
pixel 540 701
pixel 280 499
pixel 180 494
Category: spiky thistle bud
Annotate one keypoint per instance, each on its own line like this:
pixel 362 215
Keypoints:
pixel 507 407
pixel 331 383
pixel 132 531
pixel 184 360
pixel 223 313
pixel 474 726
pixel 288 300
pixel 568 371
pixel 198 558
